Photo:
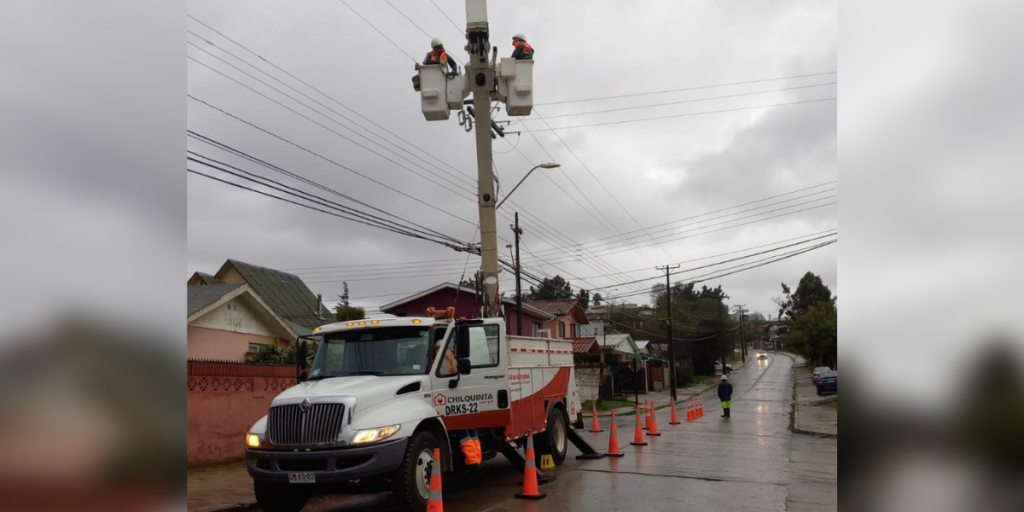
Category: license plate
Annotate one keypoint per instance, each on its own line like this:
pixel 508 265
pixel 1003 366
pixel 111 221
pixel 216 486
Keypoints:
pixel 301 478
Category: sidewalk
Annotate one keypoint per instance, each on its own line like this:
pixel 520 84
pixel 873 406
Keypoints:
pixel 816 415
pixel 228 488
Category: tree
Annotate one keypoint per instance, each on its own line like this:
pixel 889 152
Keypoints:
pixel 268 354
pixel 584 297
pixel 597 299
pixel 344 293
pixel 814 334
pixel 343 313
pixel 552 288
pixel 476 282
pixel 809 292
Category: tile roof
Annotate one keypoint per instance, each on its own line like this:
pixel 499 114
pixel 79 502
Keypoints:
pixel 285 293
pixel 199 296
pixel 584 345
pixel 561 307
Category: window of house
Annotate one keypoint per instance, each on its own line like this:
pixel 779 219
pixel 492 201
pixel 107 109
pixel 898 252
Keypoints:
pixel 254 347
pixel 536 329
pixel 561 329
pixel 576 331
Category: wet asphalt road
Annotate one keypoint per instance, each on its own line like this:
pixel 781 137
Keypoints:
pixel 742 463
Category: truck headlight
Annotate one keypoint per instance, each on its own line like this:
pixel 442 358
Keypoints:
pixel 374 434
pixel 252 441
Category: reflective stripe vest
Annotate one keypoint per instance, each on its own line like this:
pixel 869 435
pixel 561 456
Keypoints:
pixel 527 49
pixel 442 58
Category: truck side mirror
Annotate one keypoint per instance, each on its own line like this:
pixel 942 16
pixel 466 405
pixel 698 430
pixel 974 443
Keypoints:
pixel 462 343
pixel 464 366
pixel 300 362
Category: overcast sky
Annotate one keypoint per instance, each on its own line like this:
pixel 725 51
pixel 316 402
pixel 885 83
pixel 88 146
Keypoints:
pixel 619 184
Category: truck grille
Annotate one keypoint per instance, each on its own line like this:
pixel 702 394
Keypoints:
pixel 287 424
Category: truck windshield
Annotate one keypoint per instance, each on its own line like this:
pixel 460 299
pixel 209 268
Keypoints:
pixel 376 351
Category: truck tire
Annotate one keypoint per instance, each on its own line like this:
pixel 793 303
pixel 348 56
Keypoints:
pixel 275 497
pixel 412 480
pixel 555 440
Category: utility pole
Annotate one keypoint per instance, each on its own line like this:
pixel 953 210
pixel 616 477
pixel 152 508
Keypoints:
pixel 519 286
pixel 671 342
pixel 743 343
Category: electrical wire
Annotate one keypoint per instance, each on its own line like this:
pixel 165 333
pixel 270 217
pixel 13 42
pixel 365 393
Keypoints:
pixel 378 31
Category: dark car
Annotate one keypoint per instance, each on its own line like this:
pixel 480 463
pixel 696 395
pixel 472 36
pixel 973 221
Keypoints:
pixel 827 382
pixel 818 371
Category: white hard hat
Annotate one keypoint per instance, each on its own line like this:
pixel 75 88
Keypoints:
pixel 435 42
pixel 725 377
pixel 519 36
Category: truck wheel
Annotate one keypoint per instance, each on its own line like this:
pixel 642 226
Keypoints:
pixel 555 440
pixel 412 482
pixel 275 497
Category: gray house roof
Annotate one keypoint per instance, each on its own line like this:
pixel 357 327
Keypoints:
pixel 200 296
pixel 285 293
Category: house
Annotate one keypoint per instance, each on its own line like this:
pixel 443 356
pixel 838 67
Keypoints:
pixel 643 347
pixel 568 316
pixel 227 322
pixel 467 304
pixel 621 344
pixel 585 345
pixel 284 293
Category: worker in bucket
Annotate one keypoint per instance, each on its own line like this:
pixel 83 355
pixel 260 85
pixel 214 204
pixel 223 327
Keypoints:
pixel 725 395
pixel 523 50
pixel 438 56
pixel 469 440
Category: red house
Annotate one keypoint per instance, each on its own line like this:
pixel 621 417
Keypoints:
pixel 468 304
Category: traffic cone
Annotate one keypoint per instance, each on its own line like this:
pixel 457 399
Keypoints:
pixel 675 415
pixel 700 407
pixel 434 503
pixel 653 420
pixel 530 491
pixel 690 414
pixel 597 426
pixel 638 435
pixel 613 440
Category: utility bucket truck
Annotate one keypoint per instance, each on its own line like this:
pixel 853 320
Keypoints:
pixel 378 399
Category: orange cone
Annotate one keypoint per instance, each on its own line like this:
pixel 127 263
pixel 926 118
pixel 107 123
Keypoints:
pixel 638 435
pixel 653 420
pixel 675 415
pixel 690 414
pixel 530 491
pixel 613 440
pixel 596 426
pixel 700 407
pixel 434 503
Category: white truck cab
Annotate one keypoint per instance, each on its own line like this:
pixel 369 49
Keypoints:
pixel 380 395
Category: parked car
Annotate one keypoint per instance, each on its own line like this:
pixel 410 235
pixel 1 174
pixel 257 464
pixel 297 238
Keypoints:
pixel 817 371
pixel 718 367
pixel 827 382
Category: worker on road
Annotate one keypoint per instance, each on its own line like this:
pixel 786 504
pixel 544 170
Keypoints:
pixel 438 56
pixel 725 395
pixel 523 50
pixel 469 440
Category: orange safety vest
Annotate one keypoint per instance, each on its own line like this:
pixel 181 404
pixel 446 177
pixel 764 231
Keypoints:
pixel 527 49
pixel 435 58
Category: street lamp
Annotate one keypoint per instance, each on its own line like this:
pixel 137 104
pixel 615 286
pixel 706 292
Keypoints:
pixel 548 165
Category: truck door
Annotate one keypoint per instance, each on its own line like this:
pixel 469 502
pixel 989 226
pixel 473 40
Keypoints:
pixel 478 399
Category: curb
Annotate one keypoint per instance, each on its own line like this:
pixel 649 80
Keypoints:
pixel 796 410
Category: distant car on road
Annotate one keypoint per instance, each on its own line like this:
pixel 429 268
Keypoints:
pixel 827 382
pixel 762 356
pixel 817 371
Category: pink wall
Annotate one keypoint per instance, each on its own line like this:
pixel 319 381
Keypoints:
pixel 466 305
pixel 220 345
pixel 553 325
pixel 221 408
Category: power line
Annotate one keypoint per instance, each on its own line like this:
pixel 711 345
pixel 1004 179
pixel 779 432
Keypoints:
pixel 417 26
pixel 446 17
pixel 694 88
pixel 378 31
pixel 665 227
pixel 693 100
pixel 688 114
pixel 353 171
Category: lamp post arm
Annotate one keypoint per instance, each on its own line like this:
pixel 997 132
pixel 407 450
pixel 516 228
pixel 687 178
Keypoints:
pixel 517 186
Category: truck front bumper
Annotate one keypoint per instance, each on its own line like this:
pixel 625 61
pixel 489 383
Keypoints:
pixel 328 466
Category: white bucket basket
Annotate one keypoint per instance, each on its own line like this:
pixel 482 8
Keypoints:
pixel 515 86
pixel 434 93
